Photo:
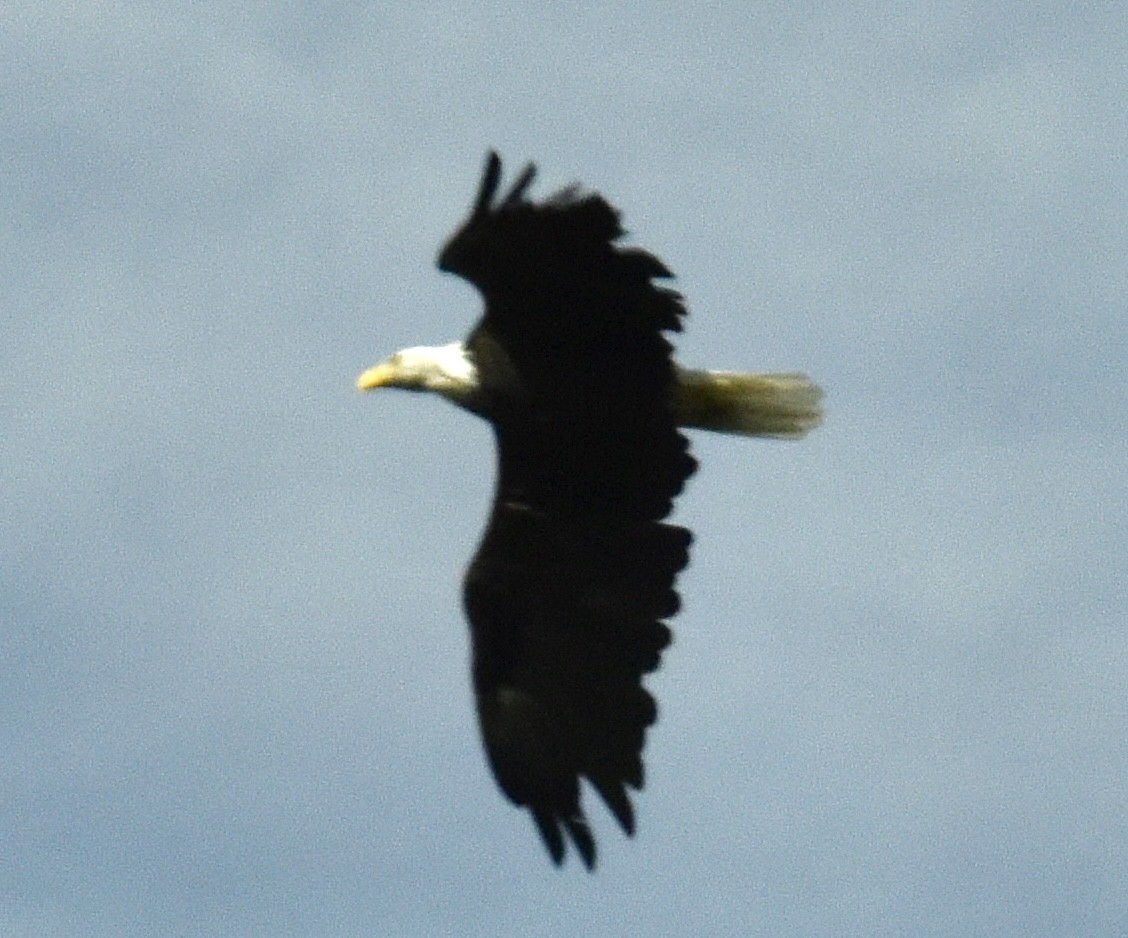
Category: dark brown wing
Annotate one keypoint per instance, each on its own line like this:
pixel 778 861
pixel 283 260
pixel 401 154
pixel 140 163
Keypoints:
pixel 567 594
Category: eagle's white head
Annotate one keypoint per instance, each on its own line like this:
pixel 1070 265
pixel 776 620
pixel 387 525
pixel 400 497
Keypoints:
pixel 443 369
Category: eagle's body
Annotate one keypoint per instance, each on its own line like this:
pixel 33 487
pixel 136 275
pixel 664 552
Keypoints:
pixel 570 588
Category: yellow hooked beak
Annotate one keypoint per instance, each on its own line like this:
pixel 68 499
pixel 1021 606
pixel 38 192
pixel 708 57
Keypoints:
pixel 378 376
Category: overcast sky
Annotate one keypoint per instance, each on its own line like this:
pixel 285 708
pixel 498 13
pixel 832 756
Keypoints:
pixel 234 696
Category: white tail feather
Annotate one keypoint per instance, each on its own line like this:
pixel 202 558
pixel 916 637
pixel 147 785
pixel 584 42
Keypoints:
pixel 777 405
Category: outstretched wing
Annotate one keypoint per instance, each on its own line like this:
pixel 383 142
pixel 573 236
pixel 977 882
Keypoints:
pixel 568 591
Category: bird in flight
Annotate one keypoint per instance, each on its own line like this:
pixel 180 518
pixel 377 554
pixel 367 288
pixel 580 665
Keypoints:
pixel 571 586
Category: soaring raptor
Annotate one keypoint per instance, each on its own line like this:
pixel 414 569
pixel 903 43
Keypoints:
pixel 569 592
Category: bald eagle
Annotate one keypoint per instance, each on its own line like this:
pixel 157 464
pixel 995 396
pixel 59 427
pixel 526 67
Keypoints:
pixel 568 593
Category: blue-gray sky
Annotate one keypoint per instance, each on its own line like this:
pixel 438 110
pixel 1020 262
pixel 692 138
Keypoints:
pixel 234 696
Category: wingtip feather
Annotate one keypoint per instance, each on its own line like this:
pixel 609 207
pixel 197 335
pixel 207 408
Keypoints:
pixel 517 190
pixel 491 176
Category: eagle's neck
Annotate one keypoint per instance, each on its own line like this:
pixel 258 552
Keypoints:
pixel 448 370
